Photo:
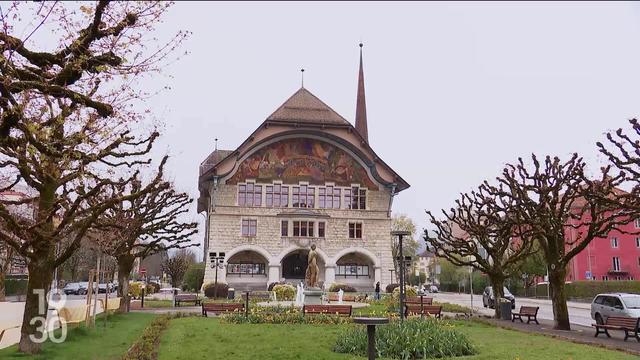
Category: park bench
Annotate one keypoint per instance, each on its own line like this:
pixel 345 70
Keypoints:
pixel 418 299
pixel 187 298
pixel 334 297
pixel 219 308
pixel 627 324
pixel 531 312
pixel 341 310
pixel 422 309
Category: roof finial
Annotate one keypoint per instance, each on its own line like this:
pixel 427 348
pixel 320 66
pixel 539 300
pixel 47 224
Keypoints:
pixel 302 75
pixel 216 146
pixel 361 105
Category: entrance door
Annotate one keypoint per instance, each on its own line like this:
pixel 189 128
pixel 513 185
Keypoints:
pixel 294 265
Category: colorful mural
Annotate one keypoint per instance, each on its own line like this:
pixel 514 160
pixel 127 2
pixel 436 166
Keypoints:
pixel 302 159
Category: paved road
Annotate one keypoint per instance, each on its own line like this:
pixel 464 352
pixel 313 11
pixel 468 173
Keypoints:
pixel 579 313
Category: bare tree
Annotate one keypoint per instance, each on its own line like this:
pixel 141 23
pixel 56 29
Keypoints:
pixel 564 211
pixel 65 124
pixel 176 266
pixel 479 232
pixel 142 226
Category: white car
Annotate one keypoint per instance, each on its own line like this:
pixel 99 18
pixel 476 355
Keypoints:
pixel 615 304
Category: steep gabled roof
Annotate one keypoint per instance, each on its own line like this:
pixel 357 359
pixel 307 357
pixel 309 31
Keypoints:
pixel 213 159
pixel 304 107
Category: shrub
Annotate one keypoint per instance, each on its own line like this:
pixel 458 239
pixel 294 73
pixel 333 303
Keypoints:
pixel 270 287
pixel 408 291
pixel 135 289
pixel 411 339
pixel 194 277
pixel 221 292
pixel 284 292
pixel 153 288
pixel 391 287
pixel 343 287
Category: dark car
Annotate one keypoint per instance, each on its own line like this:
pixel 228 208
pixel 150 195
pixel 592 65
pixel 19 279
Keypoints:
pixel 488 300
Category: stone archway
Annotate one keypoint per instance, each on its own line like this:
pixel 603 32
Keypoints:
pixel 247 269
pixel 357 267
pixel 293 265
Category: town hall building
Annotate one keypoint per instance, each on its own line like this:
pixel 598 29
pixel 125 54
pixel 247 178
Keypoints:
pixel 305 176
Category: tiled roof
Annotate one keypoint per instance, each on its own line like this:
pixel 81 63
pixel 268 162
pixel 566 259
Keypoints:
pixel 304 107
pixel 214 158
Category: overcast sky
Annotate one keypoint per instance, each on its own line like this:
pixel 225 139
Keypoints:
pixel 454 91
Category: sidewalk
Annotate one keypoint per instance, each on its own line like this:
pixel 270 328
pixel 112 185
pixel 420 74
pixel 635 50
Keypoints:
pixel 578 334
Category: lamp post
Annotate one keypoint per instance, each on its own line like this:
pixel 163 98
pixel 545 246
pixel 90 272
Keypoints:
pixel 216 261
pixel 400 234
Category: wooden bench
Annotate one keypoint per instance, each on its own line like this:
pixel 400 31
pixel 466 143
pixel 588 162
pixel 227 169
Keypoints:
pixel 531 312
pixel 627 324
pixel 418 299
pixel 187 298
pixel 335 297
pixel 341 310
pixel 219 308
pixel 418 309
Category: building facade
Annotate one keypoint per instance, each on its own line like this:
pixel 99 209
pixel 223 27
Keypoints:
pixel 304 176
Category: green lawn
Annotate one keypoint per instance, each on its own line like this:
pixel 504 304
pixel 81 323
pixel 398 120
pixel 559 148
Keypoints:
pixel 202 338
pixel 98 343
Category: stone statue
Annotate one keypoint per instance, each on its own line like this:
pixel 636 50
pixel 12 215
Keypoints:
pixel 311 275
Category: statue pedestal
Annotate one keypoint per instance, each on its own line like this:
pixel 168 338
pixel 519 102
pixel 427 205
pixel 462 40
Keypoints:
pixel 313 296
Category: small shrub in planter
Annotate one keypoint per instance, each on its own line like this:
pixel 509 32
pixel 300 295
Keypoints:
pixel 221 292
pixel 284 292
pixel 391 287
pixel 411 339
pixel 343 287
pixel 135 290
pixel 408 291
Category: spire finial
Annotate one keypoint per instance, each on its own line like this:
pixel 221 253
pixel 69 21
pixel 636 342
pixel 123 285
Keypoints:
pixel 361 105
pixel 302 75
pixel 216 143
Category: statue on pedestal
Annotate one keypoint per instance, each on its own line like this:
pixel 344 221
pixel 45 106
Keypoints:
pixel 311 275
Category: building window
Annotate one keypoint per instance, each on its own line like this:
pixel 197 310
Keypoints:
pixel 321 226
pixel 277 196
pixel 616 263
pixel 352 270
pixel 250 269
pixel 249 227
pixel 303 196
pixel 329 197
pixel 637 223
pixel 284 229
pixel 355 230
pixel 638 242
pixel 355 198
pixel 249 194
pixel 605 278
pixel 303 228
pixel 614 242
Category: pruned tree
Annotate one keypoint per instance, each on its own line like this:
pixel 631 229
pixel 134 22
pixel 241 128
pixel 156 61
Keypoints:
pixel 564 210
pixel 142 226
pixel 479 232
pixel 409 244
pixel 66 120
pixel 176 265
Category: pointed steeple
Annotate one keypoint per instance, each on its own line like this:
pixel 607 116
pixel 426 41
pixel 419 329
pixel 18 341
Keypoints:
pixel 361 105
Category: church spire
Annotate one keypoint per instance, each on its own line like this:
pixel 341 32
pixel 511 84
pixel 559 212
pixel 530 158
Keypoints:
pixel 361 105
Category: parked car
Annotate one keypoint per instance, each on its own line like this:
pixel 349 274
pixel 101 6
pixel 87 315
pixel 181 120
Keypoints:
pixel 433 289
pixel 72 289
pixel 488 300
pixel 615 304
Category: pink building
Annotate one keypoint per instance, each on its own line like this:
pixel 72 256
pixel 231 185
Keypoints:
pixel 616 257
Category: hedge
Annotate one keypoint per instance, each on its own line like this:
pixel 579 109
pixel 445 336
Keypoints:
pixel 210 290
pixel 589 289
pixel 15 287
pixel 344 287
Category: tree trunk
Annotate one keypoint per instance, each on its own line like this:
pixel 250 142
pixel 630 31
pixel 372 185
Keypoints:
pixel 40 277
pixel 497 283
pixel 2 287
pixel 559 299
pixel 125 265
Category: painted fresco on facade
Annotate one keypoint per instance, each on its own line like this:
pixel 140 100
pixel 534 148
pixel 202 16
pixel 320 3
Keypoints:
pixel 302 159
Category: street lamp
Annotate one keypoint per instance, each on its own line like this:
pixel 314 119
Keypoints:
pixel 217 261
pixel 400 234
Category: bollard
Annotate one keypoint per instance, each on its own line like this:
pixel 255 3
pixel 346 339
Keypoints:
pixel 142 300
pixel 246 305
